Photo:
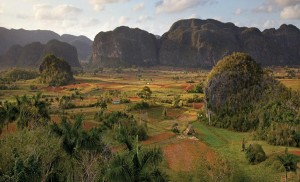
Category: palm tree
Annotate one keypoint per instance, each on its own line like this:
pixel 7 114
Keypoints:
pixel 76 141
pixel 33 112
pixel 2 118
pixel 136 165
pixel 9 113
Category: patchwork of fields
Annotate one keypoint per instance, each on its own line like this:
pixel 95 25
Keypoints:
pixel 186 157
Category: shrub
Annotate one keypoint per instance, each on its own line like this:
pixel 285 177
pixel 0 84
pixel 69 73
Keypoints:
pixel 139 105
pixel 33 87
pixel 195 98
pixel 124 100
pixel 190 81
pixel 198 89
pixel 175 128
pixel 255 154
pixel 142 132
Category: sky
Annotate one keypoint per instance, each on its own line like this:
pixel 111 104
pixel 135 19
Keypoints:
pixel 89 17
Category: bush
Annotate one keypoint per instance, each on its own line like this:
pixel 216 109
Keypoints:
pixel 255 154
pixel 190 81
pixel 175 128
pixel 139 105
pixel 195 98
pixel 33 87
pixel 124 100
pixel 198 89
pixel 142 132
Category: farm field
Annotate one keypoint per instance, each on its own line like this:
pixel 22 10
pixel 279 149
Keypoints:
pixel 187 158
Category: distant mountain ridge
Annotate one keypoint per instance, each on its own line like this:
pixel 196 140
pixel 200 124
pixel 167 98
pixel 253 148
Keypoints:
pixel 11 37
pixel 31 55
pixel 188 43
pixel 197 43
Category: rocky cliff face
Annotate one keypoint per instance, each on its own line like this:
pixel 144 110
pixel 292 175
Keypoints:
pixel 202 43
pixel 10 37
pixel 31 55
pixel 125 47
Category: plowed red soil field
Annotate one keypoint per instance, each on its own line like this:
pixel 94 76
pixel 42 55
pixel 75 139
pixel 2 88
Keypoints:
pixel 158 138
pixel 187 154
pixel 295 153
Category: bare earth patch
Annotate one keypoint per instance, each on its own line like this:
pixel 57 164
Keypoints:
pixel 158 138
pixel 187 154
pixel 134 99
pixel 53 89
pixel 89 125
pixel 197 105
pixel 79 85
pixel 297 153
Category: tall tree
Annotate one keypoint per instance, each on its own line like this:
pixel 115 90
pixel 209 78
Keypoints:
pixel 145 93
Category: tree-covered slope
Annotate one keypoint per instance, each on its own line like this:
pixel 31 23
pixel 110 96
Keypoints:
pixel 55 71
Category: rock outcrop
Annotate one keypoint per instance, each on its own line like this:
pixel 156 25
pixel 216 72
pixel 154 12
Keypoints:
pixel 201 43
pixel 31 55
pixel 55 71
pixel 125 47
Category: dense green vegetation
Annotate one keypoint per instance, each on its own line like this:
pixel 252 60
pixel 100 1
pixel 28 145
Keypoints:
pixel 27 112
pixel 241 97
pixel 66 152
pixel 55 71
pixel 16 74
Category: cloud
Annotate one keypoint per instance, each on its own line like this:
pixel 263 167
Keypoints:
pixel 192 16
pixel 22 16
pixel 123 20
pixel 47 12
pixel 287 9
pixel 92 22
pixel 238 11
pixel 99 5
pixel 264 8
pixel 65 9
pixel 291 12
pixel 173 6
pixel 138 7
pixel 1 9
pixel 269 24
pixel 285 3
pixel 143 18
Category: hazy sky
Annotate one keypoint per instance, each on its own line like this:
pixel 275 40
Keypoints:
pixel 88 17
